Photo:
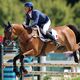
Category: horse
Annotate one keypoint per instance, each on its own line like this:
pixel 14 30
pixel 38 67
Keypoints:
pixel 31 45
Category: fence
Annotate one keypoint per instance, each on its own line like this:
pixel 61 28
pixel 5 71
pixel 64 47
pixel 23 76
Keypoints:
pixel 6 56
pixel 48 64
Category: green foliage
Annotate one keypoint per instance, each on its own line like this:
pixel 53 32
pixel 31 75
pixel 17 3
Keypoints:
pixel 1 31
pixel 78 78
pixel 59 12
pixel 76 11
pixel 47 78
pixel 10 10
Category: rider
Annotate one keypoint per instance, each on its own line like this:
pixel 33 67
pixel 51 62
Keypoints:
pixel 38 19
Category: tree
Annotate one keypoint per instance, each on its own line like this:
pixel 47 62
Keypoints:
pixel 72 2
pixel 10 11
pixel 76 11
pixel 60 13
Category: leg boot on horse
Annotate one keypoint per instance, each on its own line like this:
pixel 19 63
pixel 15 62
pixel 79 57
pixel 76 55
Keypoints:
pixel 15 68
pixel 22 65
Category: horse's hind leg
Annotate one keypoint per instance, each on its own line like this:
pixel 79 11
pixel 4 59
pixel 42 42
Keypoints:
pixel 22 64
pixel 76 58
pixel 15 68
pixel 71 44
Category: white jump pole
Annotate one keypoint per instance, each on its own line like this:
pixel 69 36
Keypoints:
pixel 43 60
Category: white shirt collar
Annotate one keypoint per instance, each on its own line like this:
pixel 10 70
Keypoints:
pixel 30 14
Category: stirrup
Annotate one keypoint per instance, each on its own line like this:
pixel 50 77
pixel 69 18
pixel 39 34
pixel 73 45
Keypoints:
pixel 58 44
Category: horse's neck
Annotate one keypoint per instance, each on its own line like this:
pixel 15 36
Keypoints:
pixel 19 30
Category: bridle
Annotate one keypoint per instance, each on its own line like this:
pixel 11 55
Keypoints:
pixel 7 39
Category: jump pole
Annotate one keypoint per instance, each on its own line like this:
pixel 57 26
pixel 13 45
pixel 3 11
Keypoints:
pixel 1 63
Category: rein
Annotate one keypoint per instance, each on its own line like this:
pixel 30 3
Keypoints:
pixel 9 42
pixel 30 37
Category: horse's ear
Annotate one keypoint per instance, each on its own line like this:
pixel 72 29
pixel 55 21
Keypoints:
pixel 9 24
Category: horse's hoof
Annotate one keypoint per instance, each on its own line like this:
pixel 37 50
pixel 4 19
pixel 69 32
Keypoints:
pixel 24 70
pixel 18 74
pixel 77 56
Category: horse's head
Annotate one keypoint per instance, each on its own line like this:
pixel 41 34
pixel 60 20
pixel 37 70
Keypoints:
pixel 7 34
pixel 12 30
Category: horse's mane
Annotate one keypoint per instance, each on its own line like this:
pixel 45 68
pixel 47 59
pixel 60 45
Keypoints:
pixel 29 30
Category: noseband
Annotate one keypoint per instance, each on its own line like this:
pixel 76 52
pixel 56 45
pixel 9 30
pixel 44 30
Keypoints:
pixel 7 39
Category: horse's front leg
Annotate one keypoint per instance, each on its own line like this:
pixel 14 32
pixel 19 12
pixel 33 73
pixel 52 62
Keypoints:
pixel 15 68
pixel 27 53
pixel 22 64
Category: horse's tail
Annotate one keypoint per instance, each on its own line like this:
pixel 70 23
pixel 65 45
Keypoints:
pixel 76 31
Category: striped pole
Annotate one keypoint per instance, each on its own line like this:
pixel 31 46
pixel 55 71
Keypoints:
pixel 1 70
pixel 8 73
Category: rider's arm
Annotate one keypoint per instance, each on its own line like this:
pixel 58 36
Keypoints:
pixel 27 20
pixel 35 19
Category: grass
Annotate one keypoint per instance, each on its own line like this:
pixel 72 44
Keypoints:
pixel 78 78
pixel 48 77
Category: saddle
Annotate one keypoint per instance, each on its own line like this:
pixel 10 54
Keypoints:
pixel 37 32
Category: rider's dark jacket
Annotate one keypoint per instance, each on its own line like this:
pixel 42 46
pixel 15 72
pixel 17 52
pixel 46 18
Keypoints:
pixel 37 17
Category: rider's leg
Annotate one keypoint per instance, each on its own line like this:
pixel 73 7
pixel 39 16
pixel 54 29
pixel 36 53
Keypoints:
pixel 48 34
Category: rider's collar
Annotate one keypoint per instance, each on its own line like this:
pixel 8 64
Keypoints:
pixel 30 14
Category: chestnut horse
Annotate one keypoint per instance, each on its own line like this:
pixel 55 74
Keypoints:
pixel 31 45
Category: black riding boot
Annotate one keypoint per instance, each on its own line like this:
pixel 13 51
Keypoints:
pixel 49 35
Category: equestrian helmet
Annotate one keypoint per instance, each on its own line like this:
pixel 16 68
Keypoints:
pixel 29 4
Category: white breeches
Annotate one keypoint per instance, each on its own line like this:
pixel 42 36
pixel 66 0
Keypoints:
pixel 46 27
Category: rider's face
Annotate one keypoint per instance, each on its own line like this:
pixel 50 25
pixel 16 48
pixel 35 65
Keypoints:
pixel 26 9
